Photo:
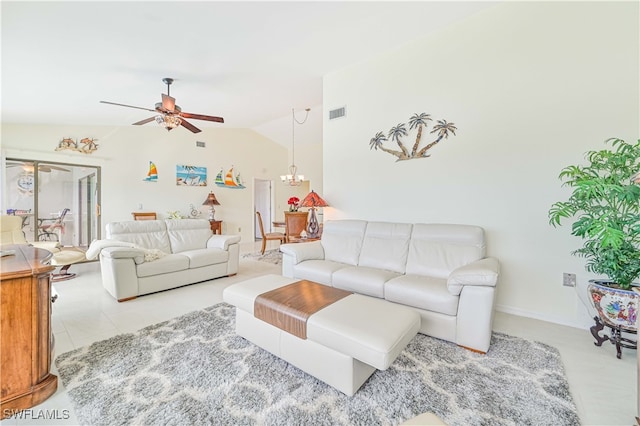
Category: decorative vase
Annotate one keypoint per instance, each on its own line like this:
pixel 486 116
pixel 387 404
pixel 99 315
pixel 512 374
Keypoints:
pixel 618 310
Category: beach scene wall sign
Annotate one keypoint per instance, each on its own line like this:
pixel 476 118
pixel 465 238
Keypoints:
pixel 191 176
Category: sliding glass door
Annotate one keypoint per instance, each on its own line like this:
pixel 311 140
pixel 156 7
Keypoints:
pixel 46 193
pixel 87 191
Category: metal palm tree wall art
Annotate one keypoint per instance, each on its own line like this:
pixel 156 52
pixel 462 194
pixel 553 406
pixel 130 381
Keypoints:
pixel 417 121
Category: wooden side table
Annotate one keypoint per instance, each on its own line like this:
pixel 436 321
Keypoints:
pixel 216 226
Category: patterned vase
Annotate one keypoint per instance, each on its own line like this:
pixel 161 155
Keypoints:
pixel 615 307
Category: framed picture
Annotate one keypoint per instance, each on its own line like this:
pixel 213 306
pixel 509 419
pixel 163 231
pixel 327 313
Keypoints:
pixel 191 176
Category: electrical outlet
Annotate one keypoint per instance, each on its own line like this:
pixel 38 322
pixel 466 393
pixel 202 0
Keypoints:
pixel 140 206
pixel 568 280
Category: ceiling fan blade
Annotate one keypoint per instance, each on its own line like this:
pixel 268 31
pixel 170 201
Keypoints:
pixel 128 106
pixel 145 121
pixel 50 167
pixel 202 117
pixel 168 102
pixel 28 167
pixel 189 126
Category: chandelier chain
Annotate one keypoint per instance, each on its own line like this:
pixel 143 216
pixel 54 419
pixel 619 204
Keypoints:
pixel 293 179
pixel 293 132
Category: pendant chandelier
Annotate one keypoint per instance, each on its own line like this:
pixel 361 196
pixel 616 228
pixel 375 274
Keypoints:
pixel 293 178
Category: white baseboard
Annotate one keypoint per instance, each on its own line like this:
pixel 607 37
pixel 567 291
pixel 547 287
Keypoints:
pixel 582 323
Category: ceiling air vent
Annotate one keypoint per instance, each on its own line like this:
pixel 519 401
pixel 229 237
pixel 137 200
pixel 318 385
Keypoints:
pixel 337 113
pixel 200 144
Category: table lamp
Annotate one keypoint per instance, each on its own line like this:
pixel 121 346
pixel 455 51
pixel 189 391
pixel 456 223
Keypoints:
pixel 313 200
pixel 211 201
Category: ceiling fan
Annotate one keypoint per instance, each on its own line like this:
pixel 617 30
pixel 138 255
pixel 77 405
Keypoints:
pixel 171 115
pixel 28 167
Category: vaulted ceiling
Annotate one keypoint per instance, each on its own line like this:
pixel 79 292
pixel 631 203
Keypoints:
pixel 250 62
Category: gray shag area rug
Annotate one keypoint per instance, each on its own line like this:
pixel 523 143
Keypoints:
pixel 194 370
pixel 271 256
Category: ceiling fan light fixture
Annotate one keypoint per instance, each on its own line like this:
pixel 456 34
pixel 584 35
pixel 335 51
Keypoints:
pixel 168 121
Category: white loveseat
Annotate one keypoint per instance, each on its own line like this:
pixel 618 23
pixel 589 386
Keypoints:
pixel 178 252
pixel 440 270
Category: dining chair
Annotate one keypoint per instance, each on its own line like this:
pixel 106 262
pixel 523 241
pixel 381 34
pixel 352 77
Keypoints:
pixel 269 235
pixel 48 229
pixel 294 224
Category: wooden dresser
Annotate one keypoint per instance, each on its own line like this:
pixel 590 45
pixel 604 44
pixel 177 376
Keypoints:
pixel 26 346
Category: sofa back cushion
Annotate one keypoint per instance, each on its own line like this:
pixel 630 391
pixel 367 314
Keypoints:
pixel 148 234
pixel 342 240
pixel 188 234
pixel 437 249
pixel 385 246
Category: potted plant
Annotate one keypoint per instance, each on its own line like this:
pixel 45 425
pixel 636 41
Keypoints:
pixel 605 208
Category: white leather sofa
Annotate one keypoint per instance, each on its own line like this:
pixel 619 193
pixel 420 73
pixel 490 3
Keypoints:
pixel 440 270
pixel 177 251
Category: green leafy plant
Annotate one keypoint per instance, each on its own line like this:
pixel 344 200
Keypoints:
pixel 605 204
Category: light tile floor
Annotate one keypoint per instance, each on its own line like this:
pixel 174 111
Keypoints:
pixel 603 387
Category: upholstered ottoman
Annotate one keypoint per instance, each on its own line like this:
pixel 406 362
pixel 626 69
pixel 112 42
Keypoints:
pixel 345 342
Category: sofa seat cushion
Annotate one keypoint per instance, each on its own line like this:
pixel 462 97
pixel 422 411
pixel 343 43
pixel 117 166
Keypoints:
pixel 422 292
pixel 320 271
pixel 205 257
pixel 164 265
pixel 363 280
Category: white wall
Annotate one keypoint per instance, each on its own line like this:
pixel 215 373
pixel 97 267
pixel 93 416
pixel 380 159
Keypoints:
pixel 530 86
pixel 124 154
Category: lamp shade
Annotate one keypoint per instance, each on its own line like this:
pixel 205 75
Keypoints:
pixel 211 200
pixel 313 200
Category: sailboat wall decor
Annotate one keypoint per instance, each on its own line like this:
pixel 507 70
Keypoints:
pixel 229 180
pixel 152 175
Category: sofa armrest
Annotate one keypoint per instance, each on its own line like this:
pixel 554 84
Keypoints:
pixel 483 272
pixel 135 254
pixel 222 241
pixel 299 252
